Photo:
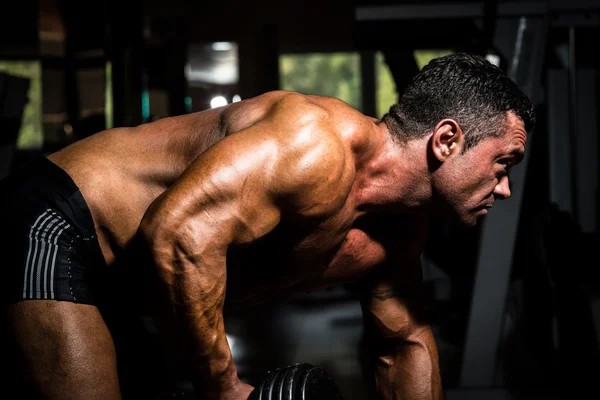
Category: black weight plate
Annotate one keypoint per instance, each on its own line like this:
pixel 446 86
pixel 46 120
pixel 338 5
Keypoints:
pixel 318 385
pixel 291 380
pixel 262 390
pixel 270 389
pixel 284 378
pixel 277 383
pixel 298 378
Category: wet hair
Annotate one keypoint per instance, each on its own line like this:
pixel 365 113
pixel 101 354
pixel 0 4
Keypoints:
pixel 464 87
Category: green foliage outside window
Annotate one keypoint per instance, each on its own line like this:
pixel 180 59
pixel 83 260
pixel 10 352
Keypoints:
pixel 424 56
pixel 31 134
pixel 338 75
pixel 331 74
pixel 387 93
pixel 108 96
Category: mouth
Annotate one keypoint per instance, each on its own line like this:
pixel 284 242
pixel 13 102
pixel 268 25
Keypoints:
pixel 484 209
pixel 481 211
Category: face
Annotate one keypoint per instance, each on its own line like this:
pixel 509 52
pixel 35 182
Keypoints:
pixel 467 185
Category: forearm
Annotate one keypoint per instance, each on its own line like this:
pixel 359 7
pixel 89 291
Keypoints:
pixel 187 307
pixel 408 368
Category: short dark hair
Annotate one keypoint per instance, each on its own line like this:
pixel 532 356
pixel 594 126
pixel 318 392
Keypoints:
pixel 464 87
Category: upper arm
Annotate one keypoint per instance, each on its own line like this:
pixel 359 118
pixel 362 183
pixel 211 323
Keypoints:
pixel 391 296
pixel 238 190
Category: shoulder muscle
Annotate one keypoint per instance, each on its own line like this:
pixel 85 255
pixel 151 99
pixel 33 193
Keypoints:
pixel 290 161
pixel 316 169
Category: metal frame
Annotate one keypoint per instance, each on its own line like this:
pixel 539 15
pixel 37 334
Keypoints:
pixel 510 9
pixel 577 152
pixel 558 142
pixel 446 11
pixel 588 179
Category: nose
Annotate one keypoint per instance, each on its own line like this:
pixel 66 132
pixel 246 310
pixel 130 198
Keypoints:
pixel 502 189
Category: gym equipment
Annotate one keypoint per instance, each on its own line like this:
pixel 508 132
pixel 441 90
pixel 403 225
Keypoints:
pixel 299 381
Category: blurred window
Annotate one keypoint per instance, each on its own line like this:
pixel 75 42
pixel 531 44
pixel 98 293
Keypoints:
pixel 325 74
pixel 338 75
pixel 108 96
pixel 387 93
pixel 31 135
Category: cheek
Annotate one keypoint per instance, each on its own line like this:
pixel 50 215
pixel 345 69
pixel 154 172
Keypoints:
pixel 477 183
pixel 481 177
pixel 467 182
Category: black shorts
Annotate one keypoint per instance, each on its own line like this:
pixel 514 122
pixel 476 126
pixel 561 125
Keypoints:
pixel 49 246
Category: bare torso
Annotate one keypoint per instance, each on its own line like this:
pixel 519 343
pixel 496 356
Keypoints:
pixel 120 172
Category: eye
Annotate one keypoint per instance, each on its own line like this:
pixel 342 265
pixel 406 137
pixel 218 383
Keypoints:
pixel 506 165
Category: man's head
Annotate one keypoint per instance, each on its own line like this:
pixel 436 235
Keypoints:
pixel 464 87
pixel 475 120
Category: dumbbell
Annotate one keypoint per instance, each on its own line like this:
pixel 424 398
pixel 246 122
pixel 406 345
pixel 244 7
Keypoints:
pixel 299 381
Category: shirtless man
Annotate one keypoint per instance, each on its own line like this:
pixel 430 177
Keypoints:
pixel 281 192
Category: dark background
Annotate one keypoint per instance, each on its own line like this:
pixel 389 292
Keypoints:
pixel 505 299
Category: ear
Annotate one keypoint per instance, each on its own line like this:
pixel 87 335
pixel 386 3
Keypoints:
pixel 447 139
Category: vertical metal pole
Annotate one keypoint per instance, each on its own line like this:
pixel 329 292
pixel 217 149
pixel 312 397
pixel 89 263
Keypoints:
pixel 176 66
pixel 115 50
pixel 369 84
pixel 71 81
pixel 573 123
pixel 588 180
pixel 271 56
pixel 559 152
pixel 137 71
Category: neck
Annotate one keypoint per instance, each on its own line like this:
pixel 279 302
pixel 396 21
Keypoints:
pixel 395 177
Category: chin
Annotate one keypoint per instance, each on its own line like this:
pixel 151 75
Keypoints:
pixel 469 220
pixel 471 223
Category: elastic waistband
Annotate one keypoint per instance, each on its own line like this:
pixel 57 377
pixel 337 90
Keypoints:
pixel 43 179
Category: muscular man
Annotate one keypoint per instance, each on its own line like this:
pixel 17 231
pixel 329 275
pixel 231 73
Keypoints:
pixel 281 192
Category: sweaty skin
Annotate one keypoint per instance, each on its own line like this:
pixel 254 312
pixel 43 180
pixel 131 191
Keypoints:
pixel 281 192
